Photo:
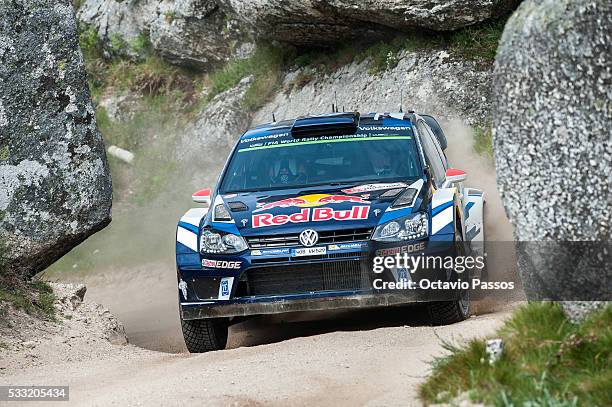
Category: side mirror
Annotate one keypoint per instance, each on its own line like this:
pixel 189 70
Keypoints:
pixel 454 175
pixel 202 196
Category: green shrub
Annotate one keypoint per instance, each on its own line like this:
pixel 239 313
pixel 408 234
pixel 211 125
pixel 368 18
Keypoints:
pixel 479 41
pixel 90 42
pixel 547 361
pixel 35 298
pixel 483 141
pixel 265 65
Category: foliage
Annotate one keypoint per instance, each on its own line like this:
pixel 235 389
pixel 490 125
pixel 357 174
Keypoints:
pixel 483 141
pixel 478 41
pixel 35 298
pixel 5 153
pixel 547 361
pixel 169 16
pixel 265 65
pixel 90 42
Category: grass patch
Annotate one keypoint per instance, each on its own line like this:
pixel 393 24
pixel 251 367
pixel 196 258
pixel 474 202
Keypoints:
pixel 149 74
pixel 479 41
pixel 5 153
pixel 265 65
pixel 547 361
pixel 483 141
pixel 35 298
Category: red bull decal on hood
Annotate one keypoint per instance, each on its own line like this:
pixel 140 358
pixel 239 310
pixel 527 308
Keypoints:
pixel 309 201
pixel 311 215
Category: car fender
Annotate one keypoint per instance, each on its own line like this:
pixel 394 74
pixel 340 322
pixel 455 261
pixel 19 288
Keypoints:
pixel 474 214
pixel 187 232
pixel 444 204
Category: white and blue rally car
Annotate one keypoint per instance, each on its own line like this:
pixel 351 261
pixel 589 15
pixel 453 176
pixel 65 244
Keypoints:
pixel 301 210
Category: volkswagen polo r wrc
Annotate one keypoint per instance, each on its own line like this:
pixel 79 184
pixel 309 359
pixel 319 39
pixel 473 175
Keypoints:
pixel 305 209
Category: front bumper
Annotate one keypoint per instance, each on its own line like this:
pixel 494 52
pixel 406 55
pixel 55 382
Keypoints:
pixel 314 302
pixel 343 287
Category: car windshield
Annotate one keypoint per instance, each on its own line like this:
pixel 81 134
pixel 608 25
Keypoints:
pixel 294 163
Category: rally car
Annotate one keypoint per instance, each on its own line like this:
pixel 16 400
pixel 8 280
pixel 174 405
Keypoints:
pixel 304 208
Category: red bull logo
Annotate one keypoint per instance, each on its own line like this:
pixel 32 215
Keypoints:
pixel 309 201
pixel 311 215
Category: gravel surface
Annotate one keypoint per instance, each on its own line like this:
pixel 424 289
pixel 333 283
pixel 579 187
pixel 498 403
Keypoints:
pixel 380 366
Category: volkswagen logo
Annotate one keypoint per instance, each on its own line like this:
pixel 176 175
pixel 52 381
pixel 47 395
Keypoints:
pixel 309 237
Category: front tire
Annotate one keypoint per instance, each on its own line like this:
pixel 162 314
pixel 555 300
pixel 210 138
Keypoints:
pixel 205 335
pixel 450 312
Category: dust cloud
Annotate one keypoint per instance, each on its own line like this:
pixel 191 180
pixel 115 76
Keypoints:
pixel 499 245
pixel 481 175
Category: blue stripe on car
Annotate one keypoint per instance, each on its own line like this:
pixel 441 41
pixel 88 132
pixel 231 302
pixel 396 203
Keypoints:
pixel 467 209
pixel 189 227
pixel 440 208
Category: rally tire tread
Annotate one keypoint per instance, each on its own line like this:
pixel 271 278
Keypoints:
pixel 204 335
pixel 445 312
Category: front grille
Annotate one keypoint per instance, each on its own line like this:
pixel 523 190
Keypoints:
pixel 256 260
pixel 325 237
pixel 305 278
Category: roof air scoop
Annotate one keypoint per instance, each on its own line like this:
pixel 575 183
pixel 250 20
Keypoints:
pixel 335 124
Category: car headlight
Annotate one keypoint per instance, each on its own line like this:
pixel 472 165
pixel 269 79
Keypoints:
pixel 221 243
pixel 412 227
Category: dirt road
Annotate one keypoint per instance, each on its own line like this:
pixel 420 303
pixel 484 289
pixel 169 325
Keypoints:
pixel 356 358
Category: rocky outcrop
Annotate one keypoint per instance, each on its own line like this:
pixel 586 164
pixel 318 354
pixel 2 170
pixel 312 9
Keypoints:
pixel 431 82
pixel 326 22
pixel 119 24
pixel 552 120
pixel 210 138
pixel 55 187
pixel 577 311
pixel 195 33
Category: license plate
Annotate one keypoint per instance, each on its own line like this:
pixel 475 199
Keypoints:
pixel 309 251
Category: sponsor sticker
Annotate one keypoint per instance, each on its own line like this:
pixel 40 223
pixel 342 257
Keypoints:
pixel 309 251
pixel 345 246
pixel 221 264
pixel 225 288
pixel 374 187
pixel 309 201
pixel 411 248
pixel 310 215
pixel 270 252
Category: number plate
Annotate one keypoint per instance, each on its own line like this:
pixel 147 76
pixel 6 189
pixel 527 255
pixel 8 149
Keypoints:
pixel 309 251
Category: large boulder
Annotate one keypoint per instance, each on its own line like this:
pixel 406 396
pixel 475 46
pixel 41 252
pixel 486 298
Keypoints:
pixel 193 33
pixel 326 22
pixel 55 187
pixel 552 121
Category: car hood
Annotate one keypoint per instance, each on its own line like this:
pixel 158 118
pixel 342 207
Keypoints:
pixel 320 208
